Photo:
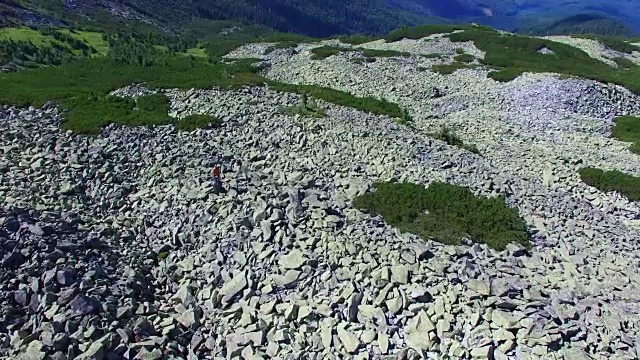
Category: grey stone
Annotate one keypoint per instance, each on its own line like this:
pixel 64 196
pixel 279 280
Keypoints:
pixel 84 305
pixel 21 297
pixel 400 274
pixel 34 351
pixel 66 276
pixel 190 319
pixel 350 342
pixel 97 349
pixel 352 306
pixel 418 329
pixel 234 286
pixel 11 224
pixel 294 259
pixel 480 286
pixel 13 261
pixel 66 295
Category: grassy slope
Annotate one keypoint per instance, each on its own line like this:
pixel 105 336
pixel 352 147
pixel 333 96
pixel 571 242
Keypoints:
pixel 23 34
pixel 91 38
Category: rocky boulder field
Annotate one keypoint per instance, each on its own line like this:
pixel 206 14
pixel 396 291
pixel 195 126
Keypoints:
pixel 116 246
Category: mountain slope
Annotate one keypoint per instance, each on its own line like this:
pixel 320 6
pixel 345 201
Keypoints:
pixel 309 17
pixel 325 18
pixel 126 245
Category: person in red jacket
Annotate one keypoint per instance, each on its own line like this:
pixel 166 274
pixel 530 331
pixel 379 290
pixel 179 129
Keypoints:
pixel 216 172
pixel 217 183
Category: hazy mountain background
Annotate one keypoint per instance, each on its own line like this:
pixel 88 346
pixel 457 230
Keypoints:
pixel 330 17
pixel 531 15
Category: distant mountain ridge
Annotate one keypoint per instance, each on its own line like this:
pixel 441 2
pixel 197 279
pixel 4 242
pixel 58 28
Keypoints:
pixel 527 14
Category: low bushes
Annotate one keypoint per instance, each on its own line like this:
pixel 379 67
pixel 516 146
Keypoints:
pixel 357 39
pixel 324 52
pixel 464 58
pixel 368 104
pixel 446 213
pixel 196 121
pixel 511 55
pixel 449 136
pixel 446 69
pixel 627 128
pixel 419 32
pixel 88 114
pixel 626 185
pixel 101 75
pixel 81 88
pixel 305 108
pixel 624 63
pixel 371 53
pixel 613 43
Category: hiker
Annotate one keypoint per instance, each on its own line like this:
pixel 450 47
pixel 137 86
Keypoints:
pixel 216 172
pixel 217 183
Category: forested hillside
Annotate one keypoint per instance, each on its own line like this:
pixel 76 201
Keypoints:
pixel 326 18
pixel 577 24
pixel 616 17
pixel 309 17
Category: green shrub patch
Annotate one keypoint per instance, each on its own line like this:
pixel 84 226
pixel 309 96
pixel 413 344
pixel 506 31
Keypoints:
pixel 624 63
pixel 371 53
pixel 368 104
pixel 446 69
pixel 511 55
pixel 450 137
pixel 81 88
pixel 446 213
pixel 464 58
pixel 615 180
pixel 196 121
pixel 357 39
pixel 419 32
pixel 627 128
pixel 612 42
pixel 324 52
pixel 88 114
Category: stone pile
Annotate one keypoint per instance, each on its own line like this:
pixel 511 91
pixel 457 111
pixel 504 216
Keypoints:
pixel 116 246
